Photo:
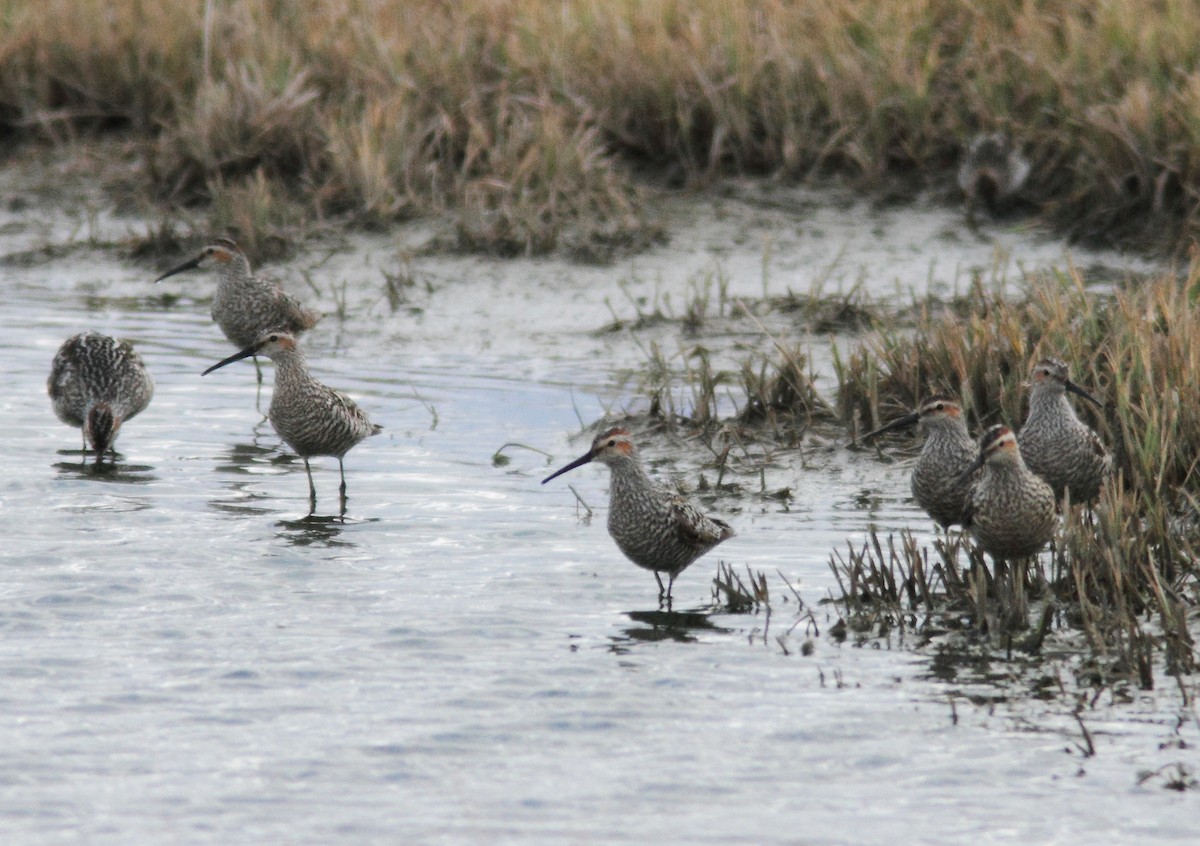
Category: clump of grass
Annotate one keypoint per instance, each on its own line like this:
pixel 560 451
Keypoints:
pixel 1126 569
pixel 525 121
pixel 779 395
pixel 741 595
pixel 848 312
pixel 1110 581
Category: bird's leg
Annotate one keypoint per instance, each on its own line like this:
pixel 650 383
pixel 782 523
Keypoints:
pixel 670 585
pixel 258 392
pixel 661 591
pixel 342 488
pixel 312 489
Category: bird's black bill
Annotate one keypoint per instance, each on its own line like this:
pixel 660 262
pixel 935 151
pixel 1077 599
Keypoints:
pixel 1080 392
pixel 583 459
pixel 187 265
pixel 237 356
pixel 899 423
pixel 966 474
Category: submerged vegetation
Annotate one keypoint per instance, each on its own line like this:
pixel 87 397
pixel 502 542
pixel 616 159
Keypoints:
pixel 526 121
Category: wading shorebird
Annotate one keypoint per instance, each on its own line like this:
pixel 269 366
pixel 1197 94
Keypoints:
pixel 991 173
pixel 246 305
pixel 1012 512
pixel 938 481
pixel 656 529
pixel 312 418
pixel 97 383
pixel 1055 443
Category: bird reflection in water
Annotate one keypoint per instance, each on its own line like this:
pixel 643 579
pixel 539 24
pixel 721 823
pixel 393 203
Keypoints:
pixel 678 626
pixel 109 471
pixel 315 530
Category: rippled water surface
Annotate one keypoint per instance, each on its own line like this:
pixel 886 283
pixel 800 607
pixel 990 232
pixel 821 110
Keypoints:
pixel 187 657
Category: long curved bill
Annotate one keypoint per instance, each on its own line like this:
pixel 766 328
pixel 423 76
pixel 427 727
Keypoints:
pixel 237 356
pixel 1080 392
pixel 578 462
pixel 899 423
pixel 187 265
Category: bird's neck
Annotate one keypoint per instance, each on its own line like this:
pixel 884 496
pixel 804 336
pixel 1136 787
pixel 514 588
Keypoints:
pixel 628 475
pixel 1047 403
pixel 290 368
pixel 236 272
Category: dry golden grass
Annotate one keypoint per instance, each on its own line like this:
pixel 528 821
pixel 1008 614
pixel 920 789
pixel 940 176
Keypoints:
pixel 523 118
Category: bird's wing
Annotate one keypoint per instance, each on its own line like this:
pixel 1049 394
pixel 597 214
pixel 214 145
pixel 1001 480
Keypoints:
pixel 695 527
pixel 304 316
pixel 339 401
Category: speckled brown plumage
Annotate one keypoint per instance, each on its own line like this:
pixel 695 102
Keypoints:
pixel 97 383
pixel 1012 512
pixel 312 418
pixel 1055 443
pixel 655 529
pixel 938 484
pixel 246 305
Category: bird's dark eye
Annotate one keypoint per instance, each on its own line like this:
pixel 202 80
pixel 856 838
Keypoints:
pixel 940 406
pixel 612 443
pixel 273 338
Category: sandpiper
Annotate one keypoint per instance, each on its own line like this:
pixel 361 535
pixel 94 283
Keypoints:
pixel 1012 512
pixel 1055 443
pixel 97 383
pixel 245 306
pixel 312 418
pixel 938 481
pixel 991 172
pixel 656 529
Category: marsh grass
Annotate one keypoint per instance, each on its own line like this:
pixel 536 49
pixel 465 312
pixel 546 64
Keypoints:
pixel 1137 350
pixel 1127 568
pixel 736 593
pixel 527 122
pixel 1125 572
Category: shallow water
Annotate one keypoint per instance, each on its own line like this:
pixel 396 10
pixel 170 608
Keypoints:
pixel 187 658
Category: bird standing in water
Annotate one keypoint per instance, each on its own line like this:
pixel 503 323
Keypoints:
pixel 1055 443
pixel 1012 512
pixel 246 305
pixel 938 481
pixel 312 418
pixel 97 383
pixel 656 529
